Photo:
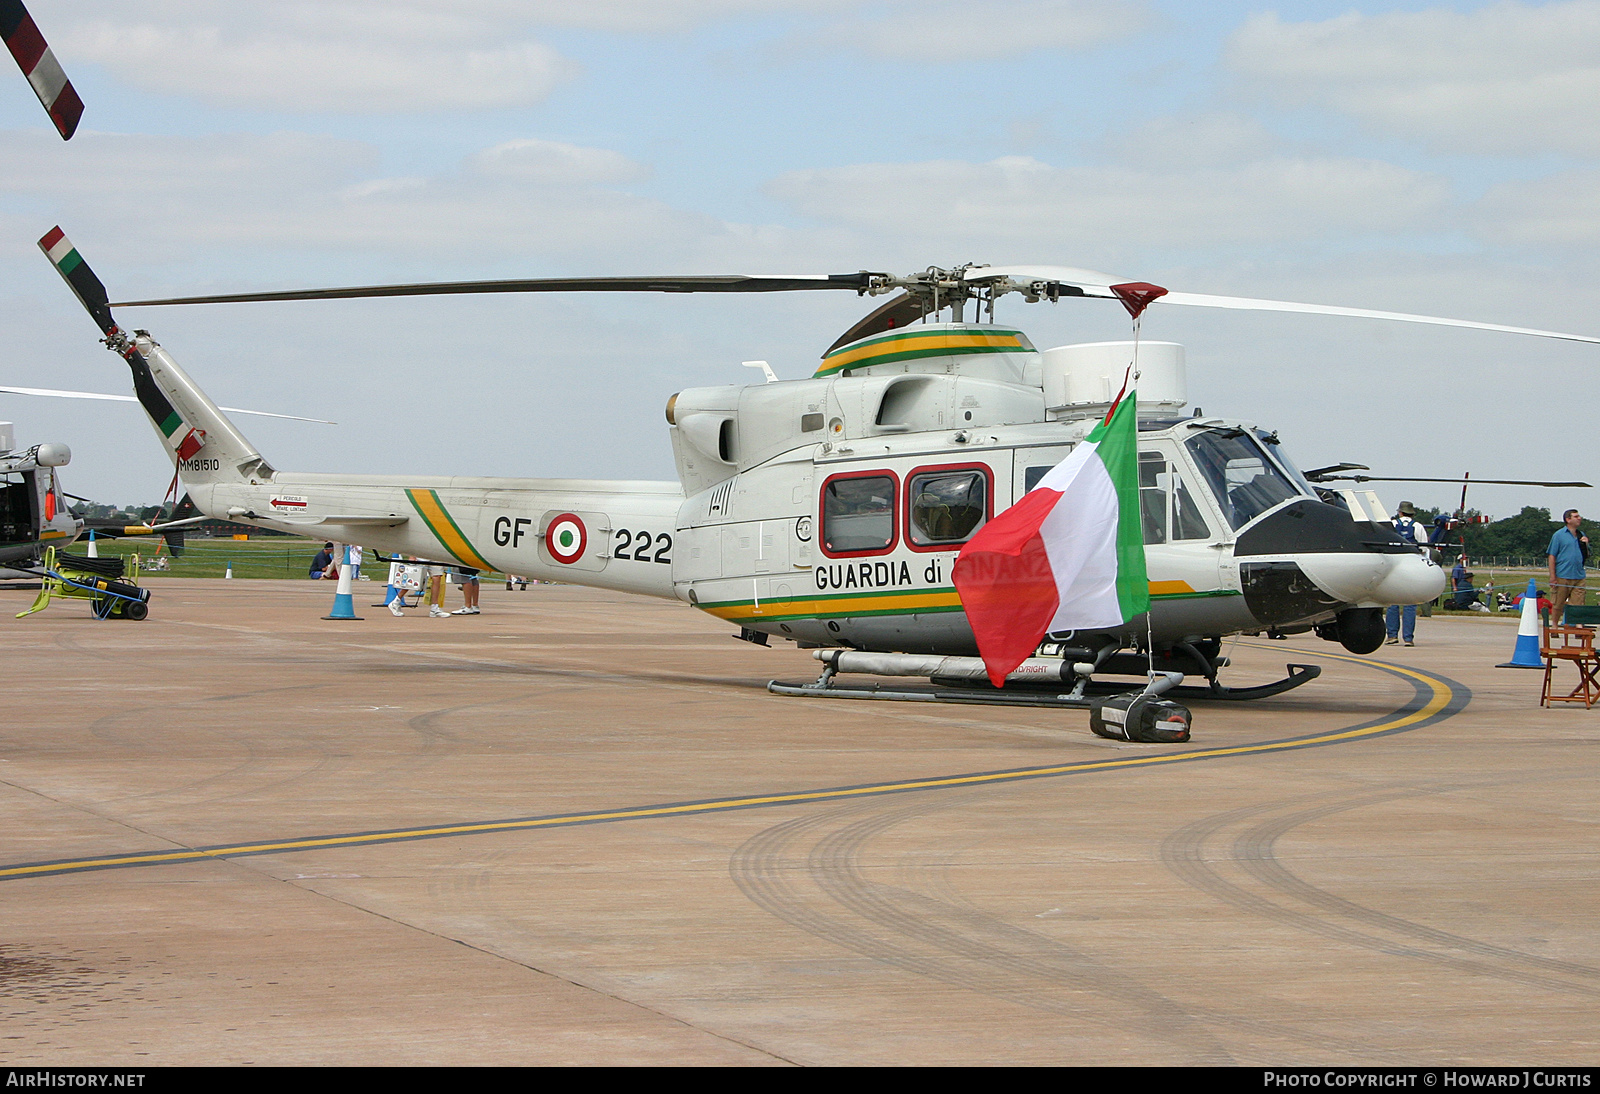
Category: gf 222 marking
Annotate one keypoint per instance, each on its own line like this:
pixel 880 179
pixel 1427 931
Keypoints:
pixel 638 546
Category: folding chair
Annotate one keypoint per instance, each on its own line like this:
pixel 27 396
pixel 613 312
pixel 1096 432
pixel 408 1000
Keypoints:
pixel 1574 645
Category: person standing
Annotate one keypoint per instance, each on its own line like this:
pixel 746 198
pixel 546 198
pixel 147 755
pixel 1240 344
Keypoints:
pixel 435 579
pixel 467 578
pixel 1569 559
pixel 1401 619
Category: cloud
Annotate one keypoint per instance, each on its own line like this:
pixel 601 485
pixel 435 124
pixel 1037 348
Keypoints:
pixel 1558 211
pixel 1507 78
pixel 393 62
pixel 939 31
pixel 551 162
pixel 529 203
pixel 1068 210
pixel 366 57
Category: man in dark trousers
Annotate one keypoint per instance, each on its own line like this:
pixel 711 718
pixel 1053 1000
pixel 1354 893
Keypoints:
pixel 1569 557
pixel 320 564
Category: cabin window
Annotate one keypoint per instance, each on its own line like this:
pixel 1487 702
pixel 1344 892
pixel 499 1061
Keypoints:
pixel 944 507
pixel 1245 482
pixel 858 514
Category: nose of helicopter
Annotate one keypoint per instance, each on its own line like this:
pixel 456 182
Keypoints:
pixel 1383 579
pixel 1411 579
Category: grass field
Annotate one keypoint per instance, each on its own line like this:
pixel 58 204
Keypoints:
pixel 269 556
pixel 290 557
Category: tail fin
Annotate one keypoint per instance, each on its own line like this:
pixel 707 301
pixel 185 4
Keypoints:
pixel 203 444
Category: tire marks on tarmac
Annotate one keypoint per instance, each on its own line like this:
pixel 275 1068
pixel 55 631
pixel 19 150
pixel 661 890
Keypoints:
pixel 1222 854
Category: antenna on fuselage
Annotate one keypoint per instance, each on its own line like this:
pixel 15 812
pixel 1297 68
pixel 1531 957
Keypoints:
pixel 772 377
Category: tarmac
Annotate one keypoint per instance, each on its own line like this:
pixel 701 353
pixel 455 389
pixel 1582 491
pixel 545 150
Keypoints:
pixel 576 829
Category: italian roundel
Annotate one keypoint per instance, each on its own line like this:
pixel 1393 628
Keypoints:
pixel 565 538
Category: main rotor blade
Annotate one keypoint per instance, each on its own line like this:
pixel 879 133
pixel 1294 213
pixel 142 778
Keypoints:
pixel 1317 474
pixel 52 393
pixel 1474 482
pixel 39 65
pixel 1241 303
pixel 899 311
pixel 731 283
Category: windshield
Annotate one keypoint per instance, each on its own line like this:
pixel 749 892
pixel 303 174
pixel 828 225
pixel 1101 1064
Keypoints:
pixel 1244 481
pixel 1274 446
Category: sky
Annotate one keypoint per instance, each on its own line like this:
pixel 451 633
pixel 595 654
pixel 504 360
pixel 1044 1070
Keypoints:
pixel 1441 159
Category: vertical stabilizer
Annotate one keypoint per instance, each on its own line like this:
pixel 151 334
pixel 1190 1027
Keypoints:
pixel 204 445
pixel 203 442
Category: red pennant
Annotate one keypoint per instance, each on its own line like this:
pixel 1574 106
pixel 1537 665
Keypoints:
pixel 192 443
pixel 1136 296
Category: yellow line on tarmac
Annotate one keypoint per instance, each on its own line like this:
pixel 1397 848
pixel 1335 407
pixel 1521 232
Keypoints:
pixel 1443 692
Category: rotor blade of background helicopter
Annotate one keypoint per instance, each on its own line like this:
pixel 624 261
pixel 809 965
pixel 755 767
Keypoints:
pixel 54 394
pixel 710 283
pixel 1246 304
pixel 1317 474
pixel 1474 482
pixel 39 65
pixel 899 311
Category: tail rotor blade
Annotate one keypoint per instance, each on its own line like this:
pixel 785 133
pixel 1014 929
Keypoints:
pixel 39 65
pixel 92 294
pixel 78 276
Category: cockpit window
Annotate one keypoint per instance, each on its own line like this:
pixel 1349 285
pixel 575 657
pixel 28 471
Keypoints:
pixel 1272 445
pixel 1166 510
pixel 1246 483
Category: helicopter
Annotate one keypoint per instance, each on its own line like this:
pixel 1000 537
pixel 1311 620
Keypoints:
pixel 1445 524
pixel 829 511
pixel 34 512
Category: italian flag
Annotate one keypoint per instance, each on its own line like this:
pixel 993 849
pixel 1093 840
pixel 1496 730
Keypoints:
pixel 1068 556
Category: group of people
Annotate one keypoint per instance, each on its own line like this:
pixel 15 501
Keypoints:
pixel 325 566
pixel 466 577
pixel 1568 557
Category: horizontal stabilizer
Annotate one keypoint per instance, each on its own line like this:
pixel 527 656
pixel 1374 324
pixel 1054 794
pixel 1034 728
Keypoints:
pixel 341 521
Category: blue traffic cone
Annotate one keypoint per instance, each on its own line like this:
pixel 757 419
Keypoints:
pixel 343 606
pixel 94 551
pixel 1526 655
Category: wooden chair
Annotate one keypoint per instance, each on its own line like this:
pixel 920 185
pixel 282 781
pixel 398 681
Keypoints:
pixel 1581 615
pixel 1575 645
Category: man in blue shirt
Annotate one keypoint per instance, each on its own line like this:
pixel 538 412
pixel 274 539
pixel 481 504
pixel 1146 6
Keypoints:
pixel 1569 555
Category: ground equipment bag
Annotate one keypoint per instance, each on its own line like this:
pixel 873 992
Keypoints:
pixel 1137 716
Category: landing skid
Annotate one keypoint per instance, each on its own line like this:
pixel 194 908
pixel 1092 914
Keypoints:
pixel 827 686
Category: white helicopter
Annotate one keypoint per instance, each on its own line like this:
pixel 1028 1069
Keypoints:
pixel 33 508
pixel 829 511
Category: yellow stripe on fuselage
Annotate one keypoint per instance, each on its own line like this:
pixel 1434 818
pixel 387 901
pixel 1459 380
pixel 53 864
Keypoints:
pixel 439 522
pixel 908 602
pixel 941 343
pixel 857 604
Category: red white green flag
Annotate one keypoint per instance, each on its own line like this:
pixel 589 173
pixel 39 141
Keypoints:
pixel 1068 556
